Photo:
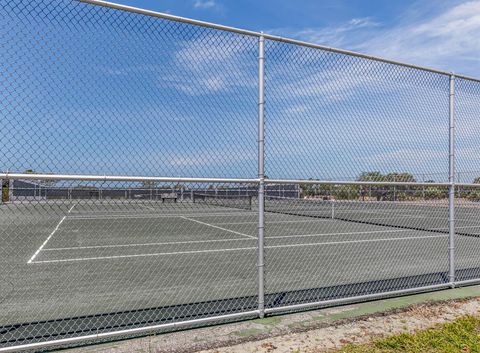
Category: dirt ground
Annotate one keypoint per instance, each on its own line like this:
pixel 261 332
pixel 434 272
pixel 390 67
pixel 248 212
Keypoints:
pixel 320 330
pixel 359 330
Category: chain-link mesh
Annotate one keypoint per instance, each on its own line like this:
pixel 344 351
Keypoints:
pixel 467 221
pixel 91 90
pixel 467 109
pixel 82 257
pixel 131 159
pixel 351 240
pixel 331 116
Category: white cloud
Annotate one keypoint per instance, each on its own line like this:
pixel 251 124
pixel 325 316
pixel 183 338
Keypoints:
pixel 362 22
pixel 449 40
pixel 330 36
pixel 441 37
pixel 204 4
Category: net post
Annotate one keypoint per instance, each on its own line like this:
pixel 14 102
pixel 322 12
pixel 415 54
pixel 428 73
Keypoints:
pixel 451 179
pixel 261 176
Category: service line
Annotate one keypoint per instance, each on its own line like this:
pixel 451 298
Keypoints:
pixel 46 241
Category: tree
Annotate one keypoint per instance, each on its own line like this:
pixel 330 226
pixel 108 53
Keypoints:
pixel 435 192
pixel 402 177
pixel 346 192
pixel 387 192
pixel 315 190
pixel 471 193
pixel 307 189
pixel 5 191
pixel 400 192
pixel 371 176
pixel 371 190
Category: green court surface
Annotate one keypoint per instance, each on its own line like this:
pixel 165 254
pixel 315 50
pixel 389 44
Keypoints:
pixel 152 262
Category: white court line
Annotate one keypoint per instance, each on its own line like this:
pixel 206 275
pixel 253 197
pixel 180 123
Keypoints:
pixel 200 215
pixel 46 241
pixel 213 226
pixel 148 244
pixel 232 249
pixel 235 239
pixel 148 207
pixel 71 208
pixel 226 240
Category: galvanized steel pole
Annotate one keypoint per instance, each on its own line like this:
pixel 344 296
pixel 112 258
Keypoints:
pixel 261 175
pixel 451 179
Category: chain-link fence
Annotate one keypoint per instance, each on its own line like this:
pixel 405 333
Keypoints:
pixel 160 173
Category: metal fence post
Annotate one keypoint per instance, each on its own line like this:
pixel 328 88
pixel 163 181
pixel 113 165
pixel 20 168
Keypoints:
pixel 451 179
pixel 261 175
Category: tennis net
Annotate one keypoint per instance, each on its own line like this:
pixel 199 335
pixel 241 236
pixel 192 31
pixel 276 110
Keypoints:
pixel 424 216
pixel 243 202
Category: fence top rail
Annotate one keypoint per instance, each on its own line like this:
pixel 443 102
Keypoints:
pixel 347 182
pixel 468 185
pixel 100 178
pixel 151 13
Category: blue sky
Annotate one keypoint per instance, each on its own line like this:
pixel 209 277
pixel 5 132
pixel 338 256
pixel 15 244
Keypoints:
pixel 435 33
pixel 90 90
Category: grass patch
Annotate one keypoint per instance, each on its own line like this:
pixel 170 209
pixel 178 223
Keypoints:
pixel 461 335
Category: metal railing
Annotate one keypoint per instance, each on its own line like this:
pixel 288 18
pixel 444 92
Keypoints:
pixel 114 118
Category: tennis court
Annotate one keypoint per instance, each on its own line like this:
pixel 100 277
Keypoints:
pixel 161 260
pixel 342 177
